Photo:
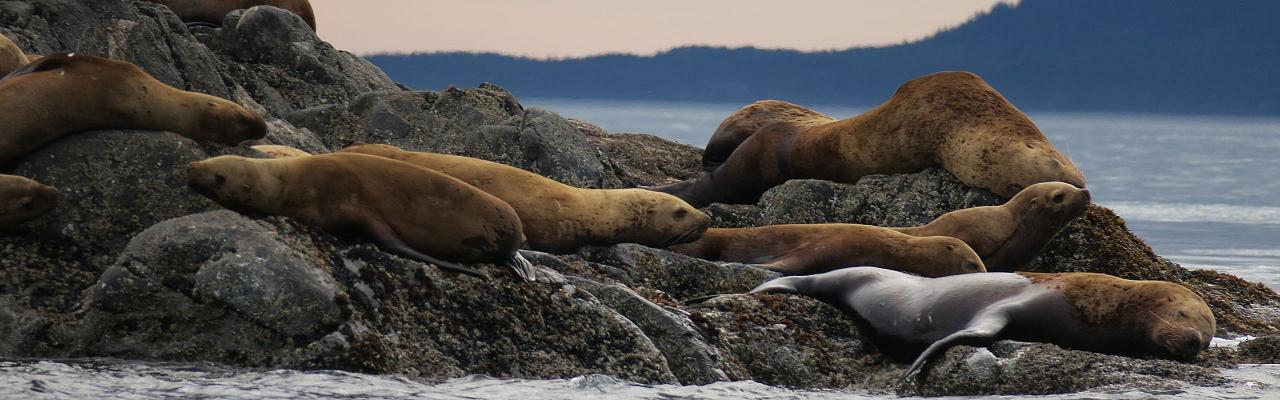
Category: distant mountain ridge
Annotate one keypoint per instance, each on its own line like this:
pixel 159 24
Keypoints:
pixel 1169 56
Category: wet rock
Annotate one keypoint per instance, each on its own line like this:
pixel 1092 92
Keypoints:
pixel 485 122
pixel 692 361
pixel 1262 350
pixel 114 184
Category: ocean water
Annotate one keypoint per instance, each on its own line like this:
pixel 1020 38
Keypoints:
pixel 1203 191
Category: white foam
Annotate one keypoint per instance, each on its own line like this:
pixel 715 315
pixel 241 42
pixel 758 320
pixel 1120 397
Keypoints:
pixel 1183 212
pixel 1230 343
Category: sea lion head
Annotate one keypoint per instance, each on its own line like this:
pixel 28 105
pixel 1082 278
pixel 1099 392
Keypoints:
pixel 1056 201
pixel 660 219
pixel 945 255
pixel 232 181
pixel 1178 324
pixel 22 199
pixel 223 121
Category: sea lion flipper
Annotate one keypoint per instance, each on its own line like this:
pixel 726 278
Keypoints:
pixel 980 332
pixel 786 284
pixel 523 267
pixel 388 239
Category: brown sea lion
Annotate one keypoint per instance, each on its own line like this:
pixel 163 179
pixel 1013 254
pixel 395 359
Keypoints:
pixel 805 249
pixel 1085 311
pixel 11 56
pixel 743 123
pixel 213 11
pixel 409 210
pixel 278 151
pixel 561 218
pixel 63 94
pixel 1008 236
pixel 22 199
pixel 949 119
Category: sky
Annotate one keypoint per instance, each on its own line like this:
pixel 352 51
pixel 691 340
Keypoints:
pixel 578 28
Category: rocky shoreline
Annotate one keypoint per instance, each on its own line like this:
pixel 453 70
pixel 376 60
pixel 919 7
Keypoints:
pixel 133 264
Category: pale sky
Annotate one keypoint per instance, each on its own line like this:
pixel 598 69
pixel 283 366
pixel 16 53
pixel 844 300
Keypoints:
pixel 576 28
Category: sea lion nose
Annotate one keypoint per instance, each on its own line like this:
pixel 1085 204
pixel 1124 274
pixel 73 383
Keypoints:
pixel 1086 194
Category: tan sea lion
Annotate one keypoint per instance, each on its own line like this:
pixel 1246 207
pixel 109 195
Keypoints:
pixel 743 123
pixel 278 151
pixel 11 56
pixel 949 119
pixel 561 218
pixel 63 94
pixel 804 249
pixel 22 199
pixel 1008 236
pixel 406 209
pixel 1085 311
pixel 213 11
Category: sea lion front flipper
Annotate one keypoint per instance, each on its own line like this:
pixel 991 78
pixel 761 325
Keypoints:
pixel 523 267
pixel 982 331
pixel 786 284
pixel 389 240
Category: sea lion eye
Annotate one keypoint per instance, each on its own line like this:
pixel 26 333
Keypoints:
pixel 681 213
pixel 220 179
pixel 951 247
pixel 29 205
pixel 1059 198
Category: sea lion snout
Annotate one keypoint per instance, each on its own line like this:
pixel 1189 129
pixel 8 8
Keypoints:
pixel 1184 344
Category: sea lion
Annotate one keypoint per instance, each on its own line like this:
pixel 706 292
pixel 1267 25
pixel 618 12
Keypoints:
pixel 804 249
pixel 1008 236
pixel 949 119
pixel 11 56
pixel 22 199
pixel 1085 311
pixel 406 209
pixel 560 218
pixel 746 121
pixel 211 12
pixel 278 151
pixel 63 94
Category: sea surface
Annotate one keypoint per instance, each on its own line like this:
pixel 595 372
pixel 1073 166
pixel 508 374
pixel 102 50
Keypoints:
pixel 1203 191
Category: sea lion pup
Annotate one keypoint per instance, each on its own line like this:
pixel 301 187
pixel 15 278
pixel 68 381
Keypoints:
pixel 1085 311
pixel 11 56
pixel 746 121
pixel 949 119
pixel 560 218
pixel 278 151
pixel 211 12
pixel 63 94
pixel 22 199
pixel 406 209
pixel 805 249
pixel 1008 236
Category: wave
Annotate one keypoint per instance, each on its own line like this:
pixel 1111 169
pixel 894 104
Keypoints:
pixel 1183 212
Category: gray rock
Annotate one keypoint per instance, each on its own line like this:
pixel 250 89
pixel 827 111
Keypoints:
pixel 692 361
pixel 677 275
pixel 485 122
pixel 114 184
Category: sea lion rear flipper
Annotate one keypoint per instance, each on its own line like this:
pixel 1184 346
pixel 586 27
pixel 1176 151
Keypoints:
pixel 981 331
pixel 523 267
pixel 388 239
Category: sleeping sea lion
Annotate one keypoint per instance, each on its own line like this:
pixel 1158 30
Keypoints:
pixel 1085 311
pixel 561 218
pixel 804 249
pixel 22 199
pixel 409 210
pixel 64 94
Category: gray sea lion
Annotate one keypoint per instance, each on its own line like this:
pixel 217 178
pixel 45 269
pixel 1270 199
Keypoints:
pixel 22 199
pixel 560 218
pixel 409 210
pixel 211 12
pixel 949 119
pixel 1008 236
pixel 1085 311
pixel 804 249
pixel 63 94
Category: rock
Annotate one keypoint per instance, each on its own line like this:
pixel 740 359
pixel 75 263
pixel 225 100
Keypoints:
pixel 114 184
pixel 692 361
pixel 677 275
pixel 1262 350
pixel 485 122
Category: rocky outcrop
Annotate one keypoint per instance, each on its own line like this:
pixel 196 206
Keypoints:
pixel 134 265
